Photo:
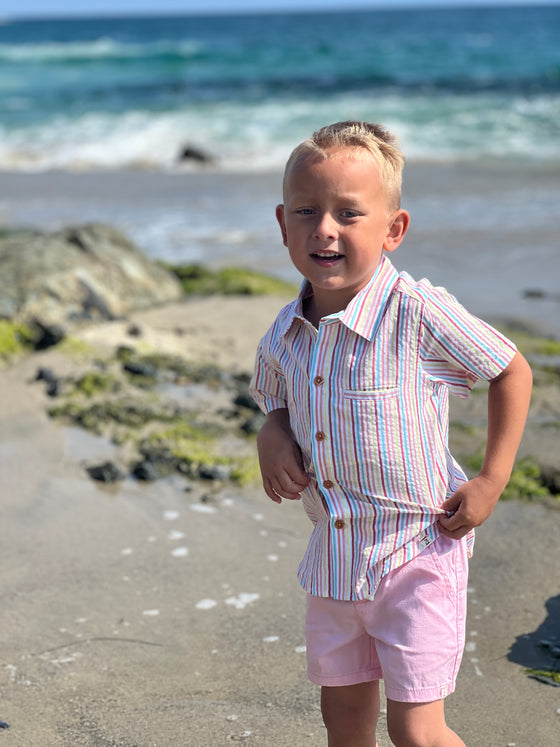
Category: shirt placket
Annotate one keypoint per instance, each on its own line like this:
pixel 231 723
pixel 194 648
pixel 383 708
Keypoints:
pixel 322 424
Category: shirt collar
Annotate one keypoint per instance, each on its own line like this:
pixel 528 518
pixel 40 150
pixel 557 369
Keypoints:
pixel 365 310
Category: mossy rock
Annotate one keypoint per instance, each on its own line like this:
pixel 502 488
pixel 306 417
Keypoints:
pixel 525 484
pixel 96 382
pixel 547 676
pixel 246 471
pixel 144 369
pixel 199 280
pixel 530 344
pixel 193 450
pixel 15 339
pixel 130 413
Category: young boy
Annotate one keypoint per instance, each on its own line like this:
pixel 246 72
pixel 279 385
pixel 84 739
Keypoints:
pixel 354 377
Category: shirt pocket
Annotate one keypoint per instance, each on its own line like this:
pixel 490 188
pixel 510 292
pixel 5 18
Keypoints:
pixel 372 395
pixel 374 415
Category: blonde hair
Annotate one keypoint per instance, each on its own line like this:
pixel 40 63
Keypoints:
pixel 352 135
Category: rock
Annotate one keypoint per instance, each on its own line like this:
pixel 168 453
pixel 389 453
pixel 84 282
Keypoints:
pixel 244 399
pixel 45 374
pixel 214 472
pixel 253 425
pixel 544 679
pixel 146 471
pixel 47 335
pixel 190 153
pixel 105 472
pixel 539 294
pixel 89 272
pixel 134 331
pixel 550 478
pixel 52 381
pixel 138 368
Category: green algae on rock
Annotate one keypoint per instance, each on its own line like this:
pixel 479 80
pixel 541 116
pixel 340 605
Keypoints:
pixel 16 338
pixel 199 280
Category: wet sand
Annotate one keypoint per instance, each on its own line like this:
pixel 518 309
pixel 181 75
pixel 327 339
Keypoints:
pixel 486 232
pixel 141 616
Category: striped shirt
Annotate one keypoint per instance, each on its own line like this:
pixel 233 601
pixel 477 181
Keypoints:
pixel 367 394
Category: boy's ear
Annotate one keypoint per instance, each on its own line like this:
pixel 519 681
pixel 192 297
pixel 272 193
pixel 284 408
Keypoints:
pixel 397 229
pixel 282 223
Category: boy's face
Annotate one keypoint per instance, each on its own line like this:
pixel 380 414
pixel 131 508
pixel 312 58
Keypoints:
pixel 336 223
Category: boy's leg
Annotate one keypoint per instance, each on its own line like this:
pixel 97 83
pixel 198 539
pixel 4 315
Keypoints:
pixel 350 714
pixel 420 725
pixel 341 657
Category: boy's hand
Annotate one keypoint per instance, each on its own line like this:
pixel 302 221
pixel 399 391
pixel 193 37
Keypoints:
pixel 471 505
pixel 280 459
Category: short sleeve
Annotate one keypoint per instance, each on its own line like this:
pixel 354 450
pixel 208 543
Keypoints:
pixel 457 348
pixel 267 386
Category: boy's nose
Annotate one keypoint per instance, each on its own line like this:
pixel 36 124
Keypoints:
pixel 326 228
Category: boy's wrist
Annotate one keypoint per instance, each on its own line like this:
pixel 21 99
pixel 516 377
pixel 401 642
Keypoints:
pixel 497 479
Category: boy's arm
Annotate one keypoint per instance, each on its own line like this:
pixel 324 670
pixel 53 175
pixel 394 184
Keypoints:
pixel 280 458
pixel 508 403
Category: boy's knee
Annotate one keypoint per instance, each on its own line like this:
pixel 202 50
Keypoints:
pixel 350 714
pixel 419 725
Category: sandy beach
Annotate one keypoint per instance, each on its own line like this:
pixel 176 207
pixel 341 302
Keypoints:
pixel 144 615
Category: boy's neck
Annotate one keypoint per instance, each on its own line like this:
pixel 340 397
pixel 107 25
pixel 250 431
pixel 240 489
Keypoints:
pixel 315 308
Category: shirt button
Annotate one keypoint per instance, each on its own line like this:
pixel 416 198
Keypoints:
pixel 328 484
pixel 318 380
pixel 320 436
pixel 339 524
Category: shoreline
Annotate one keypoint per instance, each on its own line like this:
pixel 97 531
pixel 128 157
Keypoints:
pixel 472 230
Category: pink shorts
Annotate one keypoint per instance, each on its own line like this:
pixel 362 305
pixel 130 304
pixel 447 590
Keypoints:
pixel 411 635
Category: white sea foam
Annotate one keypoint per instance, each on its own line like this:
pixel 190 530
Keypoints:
pixel 95 49
pixel 258 136
pixel 206 604
pixel 242 600
pixel 67 659
pixel 180 552
pixel 175 534
pixel 202 508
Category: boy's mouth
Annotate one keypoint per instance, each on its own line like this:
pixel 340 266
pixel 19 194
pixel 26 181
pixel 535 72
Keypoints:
pixel 329 257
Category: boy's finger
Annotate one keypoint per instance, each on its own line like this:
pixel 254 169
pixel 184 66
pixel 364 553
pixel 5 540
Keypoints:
pixel 271 493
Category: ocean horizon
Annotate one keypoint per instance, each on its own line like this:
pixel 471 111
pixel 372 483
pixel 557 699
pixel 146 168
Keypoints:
pixel 455 85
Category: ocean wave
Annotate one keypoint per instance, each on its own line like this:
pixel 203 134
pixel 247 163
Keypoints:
pixel 259 135
pixel 128 93
pixel 104 48
pixel 221 73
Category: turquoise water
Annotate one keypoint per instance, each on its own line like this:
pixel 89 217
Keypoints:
pixel 454 85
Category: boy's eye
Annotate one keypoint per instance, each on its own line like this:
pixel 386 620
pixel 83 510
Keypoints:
pixel 349 214
pixel 305 211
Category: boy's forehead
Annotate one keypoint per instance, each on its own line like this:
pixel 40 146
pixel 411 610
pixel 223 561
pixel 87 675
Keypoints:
pixel 341 155
pixel 303 166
